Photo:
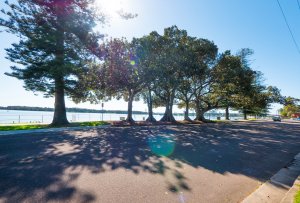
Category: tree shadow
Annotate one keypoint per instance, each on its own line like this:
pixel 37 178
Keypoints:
pixel 34 165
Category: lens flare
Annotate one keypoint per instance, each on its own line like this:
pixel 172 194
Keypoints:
pixel 162 145
pixel 181 198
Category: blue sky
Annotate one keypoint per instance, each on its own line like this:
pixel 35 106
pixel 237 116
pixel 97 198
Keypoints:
pixel 231 24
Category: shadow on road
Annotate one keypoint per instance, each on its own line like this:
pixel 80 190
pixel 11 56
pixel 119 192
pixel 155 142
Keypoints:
pixel 33 163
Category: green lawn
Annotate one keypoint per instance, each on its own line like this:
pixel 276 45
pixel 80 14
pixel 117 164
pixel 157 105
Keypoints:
pixel 297 196
pixel 90 123
pixel 42 126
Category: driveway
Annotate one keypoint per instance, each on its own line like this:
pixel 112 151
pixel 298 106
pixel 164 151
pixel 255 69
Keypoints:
pixel 222 162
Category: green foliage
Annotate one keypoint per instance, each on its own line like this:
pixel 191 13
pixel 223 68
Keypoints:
pixel 228 79
pixel 56 40
pixel 59 54
pixel 291 106
pixel 123 74
pixel 289 109
pixel 56 44
pixel 297 196
pixel 197 79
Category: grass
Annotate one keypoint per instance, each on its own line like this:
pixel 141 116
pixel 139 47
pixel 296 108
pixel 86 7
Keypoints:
pixel 21 127
pixel 90 123
pixel 43 126
pixel 220 121
pixel 297 196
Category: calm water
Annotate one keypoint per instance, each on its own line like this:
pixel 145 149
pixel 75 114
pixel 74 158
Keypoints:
pixel 11 116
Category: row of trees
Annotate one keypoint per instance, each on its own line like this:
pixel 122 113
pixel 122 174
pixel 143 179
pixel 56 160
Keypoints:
pixel 290 107
pixel 60 54
pixel 175 68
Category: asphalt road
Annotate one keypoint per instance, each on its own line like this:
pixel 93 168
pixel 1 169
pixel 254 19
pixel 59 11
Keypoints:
pixel 196 163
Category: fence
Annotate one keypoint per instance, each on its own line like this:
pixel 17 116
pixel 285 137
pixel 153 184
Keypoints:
pixel 72 117
pixel 11 117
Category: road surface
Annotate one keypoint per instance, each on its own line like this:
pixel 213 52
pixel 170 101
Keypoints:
pixel 222 162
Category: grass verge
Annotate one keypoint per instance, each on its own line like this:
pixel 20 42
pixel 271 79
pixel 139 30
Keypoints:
pixel 43 126
pixel 297 196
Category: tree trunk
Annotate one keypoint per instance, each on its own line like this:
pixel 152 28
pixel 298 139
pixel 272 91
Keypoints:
pixel 186 113
pixel 168 115
pixel 60 114
pixel 199 113
pixel 129 114
pixel 227 113
pixel 150 108
pixel 245 114
pixel 200 116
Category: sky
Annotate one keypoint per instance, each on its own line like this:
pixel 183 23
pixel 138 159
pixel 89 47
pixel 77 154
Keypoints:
pixel 230 24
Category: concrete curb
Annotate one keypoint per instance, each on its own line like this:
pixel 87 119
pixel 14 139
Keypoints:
pixel 276 189
pixel 289 197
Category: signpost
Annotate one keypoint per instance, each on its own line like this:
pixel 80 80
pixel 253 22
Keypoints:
pixel 102 105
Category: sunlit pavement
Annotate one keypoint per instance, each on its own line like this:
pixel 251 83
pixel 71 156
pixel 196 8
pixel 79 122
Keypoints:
pixel 222 162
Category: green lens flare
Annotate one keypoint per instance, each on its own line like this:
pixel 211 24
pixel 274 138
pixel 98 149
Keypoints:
pixel 161 145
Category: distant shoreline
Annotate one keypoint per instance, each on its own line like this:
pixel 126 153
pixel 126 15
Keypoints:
pixel 73 110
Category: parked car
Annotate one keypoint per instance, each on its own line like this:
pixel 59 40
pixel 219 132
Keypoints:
pixel 276 118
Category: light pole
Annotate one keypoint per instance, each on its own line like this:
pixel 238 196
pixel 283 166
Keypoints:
pixel 102 105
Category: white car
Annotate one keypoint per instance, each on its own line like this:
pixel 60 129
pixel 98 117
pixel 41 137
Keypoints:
pixel 276 118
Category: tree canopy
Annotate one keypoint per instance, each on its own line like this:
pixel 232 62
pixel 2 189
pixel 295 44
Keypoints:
pixel 59 54
pixel 56 44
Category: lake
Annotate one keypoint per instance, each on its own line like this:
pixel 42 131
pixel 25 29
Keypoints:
pixel 14 116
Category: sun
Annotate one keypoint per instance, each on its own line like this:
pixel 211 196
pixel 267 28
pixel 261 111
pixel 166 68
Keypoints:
pixel 110 7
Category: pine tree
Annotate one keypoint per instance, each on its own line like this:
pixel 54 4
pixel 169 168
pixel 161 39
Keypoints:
pixel 56 44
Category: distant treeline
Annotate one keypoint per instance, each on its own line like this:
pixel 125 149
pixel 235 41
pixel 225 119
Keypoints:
pixel 75 110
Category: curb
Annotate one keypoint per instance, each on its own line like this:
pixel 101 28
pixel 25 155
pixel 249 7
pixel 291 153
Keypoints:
pixel 289 197
pixel 277 188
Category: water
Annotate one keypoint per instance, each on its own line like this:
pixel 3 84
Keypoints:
pixel 14 116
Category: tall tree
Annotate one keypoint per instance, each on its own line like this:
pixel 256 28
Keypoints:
pixel 146 53
pixel 185 96
pixel 184 92
pixel 123 74
pixel 202 77
pixel 56 43
pixel 253 97
pixel 169 64
pixel 228 73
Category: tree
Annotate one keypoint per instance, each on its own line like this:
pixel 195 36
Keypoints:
pixel 185 96
pixel 57 42
pixel 289 109
pixel 237 86
pixel 168 62
pixel 228 77
pixel 254 97
pixel 146 53
pixel 184 92
pixel 205 53
pixel 123 76
pixel 290 106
